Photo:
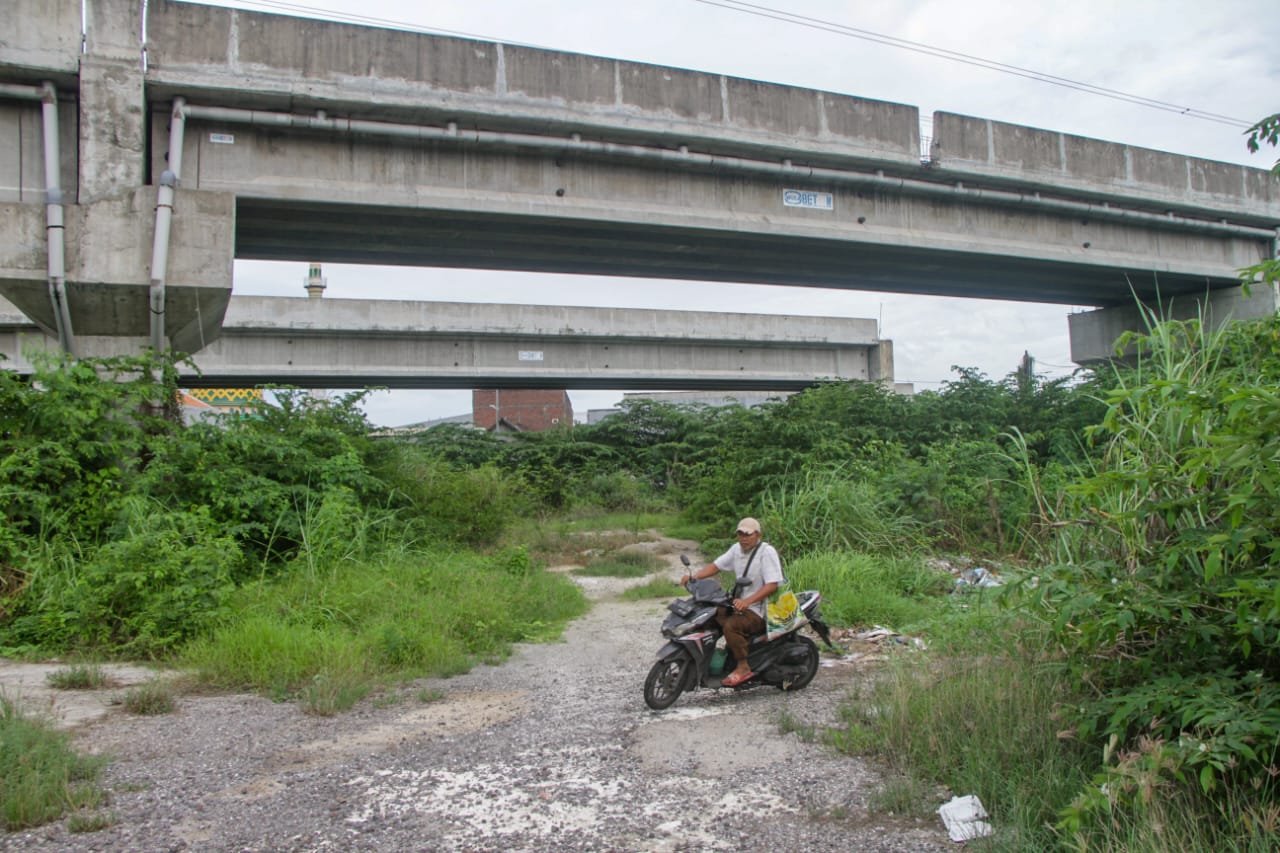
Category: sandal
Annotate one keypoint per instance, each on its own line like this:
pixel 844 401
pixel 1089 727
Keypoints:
pixel 733 679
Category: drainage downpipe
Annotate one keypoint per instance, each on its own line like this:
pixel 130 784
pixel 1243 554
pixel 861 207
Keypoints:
pixel 164 221
pixel 55 231
pixel 684 158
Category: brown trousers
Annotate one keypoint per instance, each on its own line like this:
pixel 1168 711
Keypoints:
pixel 738 629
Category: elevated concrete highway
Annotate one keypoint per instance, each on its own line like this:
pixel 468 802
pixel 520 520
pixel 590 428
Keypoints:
pixel 357 343
pixel 131 179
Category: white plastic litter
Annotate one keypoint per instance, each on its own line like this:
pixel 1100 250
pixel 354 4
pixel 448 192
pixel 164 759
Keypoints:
pixel 963 818
pixel 976 577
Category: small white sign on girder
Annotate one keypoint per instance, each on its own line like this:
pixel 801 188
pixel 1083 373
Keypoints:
pixel 530 355
pixel 809 199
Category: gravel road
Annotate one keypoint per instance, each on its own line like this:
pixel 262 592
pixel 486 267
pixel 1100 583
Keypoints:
pixel 553 750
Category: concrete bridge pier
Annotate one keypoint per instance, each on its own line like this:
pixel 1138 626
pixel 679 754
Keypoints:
pixel 78 194
pixel 1094 333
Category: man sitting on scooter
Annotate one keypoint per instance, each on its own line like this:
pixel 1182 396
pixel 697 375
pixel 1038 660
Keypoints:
pixel 758 563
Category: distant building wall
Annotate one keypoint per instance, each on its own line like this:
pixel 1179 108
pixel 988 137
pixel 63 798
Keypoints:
pixel 747 399
pixel 520 409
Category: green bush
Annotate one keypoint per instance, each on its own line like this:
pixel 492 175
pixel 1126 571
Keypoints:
pixel 1164 592
pixel 616 491
pixel 164 578
pixel 449 504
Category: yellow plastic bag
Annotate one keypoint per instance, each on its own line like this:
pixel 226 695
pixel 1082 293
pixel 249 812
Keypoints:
pixel 782 606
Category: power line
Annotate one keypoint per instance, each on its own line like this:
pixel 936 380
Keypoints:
pixel 369 20
pixel 969 59
pixel 811 23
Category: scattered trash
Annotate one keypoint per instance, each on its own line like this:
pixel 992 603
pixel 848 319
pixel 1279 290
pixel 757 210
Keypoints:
pixel 976 577
pixel 879 634
pixel 963 818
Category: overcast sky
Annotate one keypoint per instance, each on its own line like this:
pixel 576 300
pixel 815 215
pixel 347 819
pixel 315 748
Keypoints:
pixel 1219 57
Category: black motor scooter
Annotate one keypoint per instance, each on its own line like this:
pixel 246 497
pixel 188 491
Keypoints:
pixel 690 658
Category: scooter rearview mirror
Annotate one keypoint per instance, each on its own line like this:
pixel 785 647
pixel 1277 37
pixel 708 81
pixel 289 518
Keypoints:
pixel 684 558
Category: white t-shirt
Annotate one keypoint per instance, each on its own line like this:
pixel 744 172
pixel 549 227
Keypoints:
pixel 765 568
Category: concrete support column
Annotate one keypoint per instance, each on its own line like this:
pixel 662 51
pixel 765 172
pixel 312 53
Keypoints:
pixel 112 101
pixel 112 129
pixel 880 363
pixel 1094 333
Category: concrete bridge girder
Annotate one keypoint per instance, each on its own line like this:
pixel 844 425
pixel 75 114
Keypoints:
pixel 454 206
pixel 341 343
pixel 323 141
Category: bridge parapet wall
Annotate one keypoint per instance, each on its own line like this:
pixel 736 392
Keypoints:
pixel 252 59
pixel 40 40
pixel 991 151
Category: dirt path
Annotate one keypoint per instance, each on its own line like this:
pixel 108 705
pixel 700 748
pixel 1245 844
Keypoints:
pixel 554 750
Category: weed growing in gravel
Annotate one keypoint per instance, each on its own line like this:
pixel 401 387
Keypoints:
pixel 77 677
pixel 904 795
pixel 387 700
pixel 41 776
pixel 150 698
pixel 788 724
pixel 334 691
pixel 621 564
pixel 656 588
pixel 90 821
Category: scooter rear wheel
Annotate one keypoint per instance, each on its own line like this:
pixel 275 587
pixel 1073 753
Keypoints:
pixel 811 662
pixel 665 682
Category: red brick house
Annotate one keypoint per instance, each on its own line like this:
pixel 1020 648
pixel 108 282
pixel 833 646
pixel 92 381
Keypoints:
pixel 520 409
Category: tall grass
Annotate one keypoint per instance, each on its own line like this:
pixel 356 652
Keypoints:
pixel 41 776
pixel 985 725
pixel 329 637
pixel 832 510
pixel 867 589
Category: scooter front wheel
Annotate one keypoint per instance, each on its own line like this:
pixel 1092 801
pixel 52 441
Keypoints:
pixel 665 682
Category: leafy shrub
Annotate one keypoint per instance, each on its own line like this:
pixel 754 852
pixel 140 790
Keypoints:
pixel 616 491
pixel 1164 591
pixel 464 505
pixel 164 579
pixel 260 475
pixel 73 438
